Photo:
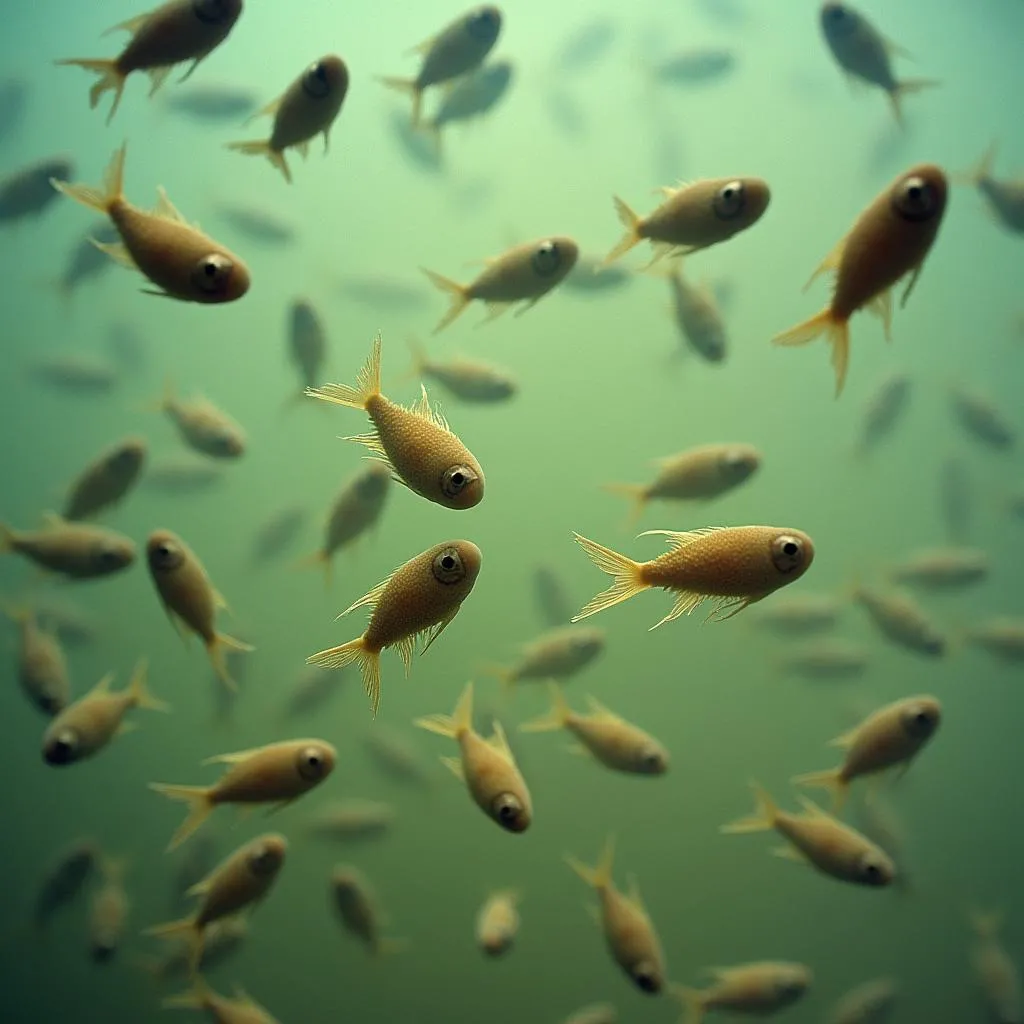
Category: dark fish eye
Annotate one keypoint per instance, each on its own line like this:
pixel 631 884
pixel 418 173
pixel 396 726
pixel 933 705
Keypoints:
pixel 456 479
pixel 509 812
pixel 835 13
pixel 483 23
pixel 62 748
pixel 166 556
pixel 315 82
pixel 787 553
pixel 729 200
pixel 646 979
pixel 109 557
pixel 873 874
pixel 915 199
pixel 447 566
pixel 546 259
pixel 212 12
pixel 312 764
pixel 211 273
pixel 263 860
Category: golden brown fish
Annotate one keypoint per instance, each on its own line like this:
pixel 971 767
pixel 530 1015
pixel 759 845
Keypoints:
pixel 42 667
pixel 756 989
pixel 868 1003
pixel 467 379
pixel 76 550
pixel 109 911
pixel 1005 197
pixel 356 904
pixel 202 426
pixel 242 1009
pixel 106 480
pixel 497 922
pixel 557 654
pixel 900 619
pixel 996 973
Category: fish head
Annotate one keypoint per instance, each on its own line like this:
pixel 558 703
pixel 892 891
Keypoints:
pixel 483 24
pixel 112 553
pixel 266 855
pixel 739 463
pixel 218 277
pixel 920 717
pixel 837 20
pixel 325 78
pixel 217 12
pixel 791 982
pixel 647 976
pixel 553 258
pixel 462 486
pixel 61 745
pixel 225 442
pixel 741 201
pixel 456 564
pixel 873 867
pixel 315 760
pixel 166 553
pixel 792 552
pixel 653 759
pixel 919 196
pixel 129 456
pixel 511 812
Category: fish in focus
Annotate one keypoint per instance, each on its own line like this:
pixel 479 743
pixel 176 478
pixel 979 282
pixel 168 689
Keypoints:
pixel 697 315
pixel 816 838
pixel 950 568
pixel 459 48
pixel 42 668
pixel 890 737
pixel 189 598
pixel 307 344
pixel 64 880
pixel 732 567
pixel 106 480
pixel 278 773
pixel 887 406
pixel 202 426
pixel 466 379
pixel 486 766
pixel 1005 197
pixel 173 33
pixel 497 922
pixel 627 926
pixel 982 419
pixel 995 971
pixel 558 654
pixel 868 1003
pixel 174 255
pixel 693 216
pixel 523 274
pixel 757 989
pixel 242 1009
pixel 900 619
pixel 78 551
pixel 890 239
pixel 352 819
pixel 26 193
pixel 825 658
pixel 307 108
pixel 108 911
pixel 356 904
pixel 472 96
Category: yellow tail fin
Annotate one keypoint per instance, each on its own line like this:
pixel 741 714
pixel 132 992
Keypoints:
pixel 113 186
pixel 217 648
pixel 600 876
pixel 901 89
pixel 637 495
pixel 187 930
pixel 460 300
pixel 196 998
pixel 763 818
pixel 110 77
pixel 693 1003
pixel 838 334
pixel 261 147
pixel 555 718
pixel 460 721
pixel 367 384
pixel 200 808
pixel 354 651
pixel 830 780
pixel 140 695
pixel 627 573
pixel 631 222
pixel 406 85
pixel 981 171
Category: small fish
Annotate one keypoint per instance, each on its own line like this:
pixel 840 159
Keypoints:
pixel 613 741
pixel 174 32
pixel 890 239
pixel 307 108
pixel 864 54
pixel 826 658
pixel 244 878
pixel 42 667
pixel 890 737
pixel 278 773
pixel 585 46
pixel 555 655
pixel 816 838
pixel 75 373
pixel 949 568
pixel 1005 197
pixel 202 426
pixel 627 926
pixel 595 1013
pixel 126 345
pixel 497 922
pixel 307 344
pixel 312 690
pixel 698 474
pixel 698 317
pixel 996 973
pixel 76 550
pixel 732 567
pixel 800 614
pixel 108 912
pixel 13 100
pixel 382 292
pixel 1002 637
pixel 71 623
pixel 355 511
pixel 356 904
pixel 353 819
pixel 472 96
pixel 693 216
pixel 956 499
pixel 553 601
pixel 981 418
pixel 458 48
pixel 901 620
pixel 523 274
pixel 887 406
pixel 84 728
pixel 486 766
pixel 395 756
pixel 213 103
pixel 189 598
pixel 567 112
pixel 869 1003
pixel 277 534
pixel 106 480
pixel 242 1009
pixel 696 66
pixel 423 155
pixel 27 193
pixel 175 256
pixel 590 276
pixel 221 940
pixel 416 444
pixel 256 223
pixel 85 260
pixel 64 880
pixel 465 379
pixel 757 989
pixel 177 475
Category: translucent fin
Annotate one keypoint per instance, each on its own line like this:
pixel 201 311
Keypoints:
pixel 102 688
pixel 454 765
pixel 196 998
pixel 459 297
pixel 685 602
pixel 200 807
pixel 681 539
pixel 261 147
pixel 157 77
pixel 763 818
pixel 788 853
pixel 437 630
pixel 526 306
pixel 354 651
pixel 113 186
pixel 268 111
pixel 422 407
pixel 369 599
pixel 187 931
pixel 600 711
pixel 443 725
pixel 303 149
pixel 838 334
pixel 499 742
pixel 829 263
pixel 831 780
pixel 216 649
pixel 631 222
pixel 692 1001
pixel 138 692
pixel 165 208
pixel 132 25
pixel 600 876
pixel 555 718
pixel 911 85
pixel 367 384
pixel 495 310
pixel 981 171
pixel 110 78
pixel 914 275
pixel 627 573
pixel 406 85
pixel 118 252
pixel 636 494
pixel 881 306
pixel 234 757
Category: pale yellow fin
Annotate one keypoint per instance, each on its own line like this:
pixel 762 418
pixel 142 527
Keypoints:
pixel 216 649
pixel 600 711
pixel 196 998
pixel 187 931
pixel 600 876
pixel 268 111
pixel 681 539
pixel 636 494
pixel 761 820
pixel 113 187
pixel 459 297
pixel 422 407
pixel 506 676
pixel 435 631
pixel 406 85
pixel 262 147
pixel 102 688
pixel 631 222
pixel 981 171
pixel 406 647
pixel 200 807
pixel 420 359
pixel 829 263
pixel 555 718
pixel 636 897
pixel 157 77
pixel 454 765
pixel 847 739
pixel 627 574
pixel 788 853
pixel 234 757
pixel 110 78
pixel 911 85
pixel 915 273
pixel 367 384
pixel 831 780
pixel 303 148
pixel 837 332
pixel 812 810
pixel 118 252
pixel 139 694
pixel 881 306
pixel 499 742
pixel 692 1001
pixel 165 208
pixel 354 651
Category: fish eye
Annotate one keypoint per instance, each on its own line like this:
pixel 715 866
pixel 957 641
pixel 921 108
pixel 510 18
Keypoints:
pixel 920 722
pixel 508 812
pixel 873 873
pixel 834 13
pixel 789 989
pixel 546 259
pixel 729 200
pixel 62 748
pixel 213 12
pixel 915 199
pixel 211 273
pixel 482 23
pixel 456 479
pixel 736 462
pixel 652 761
pixel 312 764
pixel 787 553
pixel 263 860
pixel 166 556
pixel 109 557
pixel 315 82
pixel 646 977
pixel 447 567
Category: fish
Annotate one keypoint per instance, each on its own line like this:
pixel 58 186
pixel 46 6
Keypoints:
pixel 472 96
pixel 277 773
pixel 559 653
pixel 27 192
pixel 1002 637
pixel 395 756
pixel 955 499
pixel 78 551
pixel 699 65
pixel 72 625
pixel 553 602
pixel 42 666
pixel 381 292
pixel 887 406
pixel 901 620
pixel 85 260
pixel 312 690
pixel 982 419
pixel 800 614
pixel 212 103
pixel 889 738
pixel 416 444
pixel 523 274
pixel 595 1013
pixel 178 475
pixel 756 989
pixel 460 47
pixel 820 840
pixel 698 474
pixel 356 905
pixel 614 742
pixel 307 343
pixel 585 46
pixel 175 256
pixel 698 316
pixel 64 880
pixel 108 911
pixel 126 345
pixel 13 101
pixel 486 766
pixel 417 601
pixel 422 154
pixel 890 239
pixel 201 425
pixel 589 276
pixel 241 1009
pixel 221 940
pixel 106 480
pixel 868 1003
pixel 257 223
pixel 82 729
pixel 1004 197
pixel 189 598
pixel 825 658
pixel 949 568
pixel 307 108
pixel 566 112
pixel 465 379
pixel 693 216
pixel 732 567
pixel 995 971
pixel 75 373
pixel 497 922
pixel 626 923
pixel 865 55
pixel 173 33
pixel 277 533
pixel 352 819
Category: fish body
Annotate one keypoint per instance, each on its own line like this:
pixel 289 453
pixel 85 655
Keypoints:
pixel 698 317
pixel 86 260
pixel 307 342
pixel 242 1009
pixel 869 1003
pixel 697 66
pixel 356 904
pixel 473 95
pixel 75 373
pixel 557 654
pixel 955 499
pixel 466 379
pixel 202 426
pixel 65 879
pixel 885 409
pixel 13 100
pixel 949 568
pixel 278 533
pixel 313 689
pixel 106 480
pixel 589 276
pixel 26 193
pixel 178 476
pixel 256 223
pixel 213 103
pixel 995 971
pixel 757 989
pixel 901 620
pixel 108 912
pixel 221 940
pixel 595 1013
pixel 800 614
pixel 553 600
pixel 395 756
pixel 979 417
pixel 353 819
pixel 78 551
pixel 826 658
pixel 42 668
pixel 1002 637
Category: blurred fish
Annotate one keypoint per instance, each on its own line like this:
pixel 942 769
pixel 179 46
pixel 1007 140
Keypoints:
pixel 75 373
pixel 213 103
pixel 13 100
pixel 869 1003
pixel 465 379
pixel 1004 197
pixel 257 223
pixel 172 254
pixel 106 480
pixel 381 292
pixel 486 766
pixel 942 568
pixel 127 346
pixel 956 499
pixel 395 755
pixel 497 922
pixel 357 906
pixel 472 96
pixel 756 989
pixel 193 866
pixel 981 418
pixel 108 914
pixel 565 111
pixel 698 317
pixel 242 1009
pixel 277 773
pixel 901 620
pixel 799 614
pixel 728 13
pixel 313 689
pixel 86 260
pixel 888 404
pixel 307 108
pixel 221 940
pixel 692 67
pixel 416 145
pixel 557 654
pixel 553 599
pixel 27 193
pixel 201 425
pixel 1002 637
pixel 590 277
pixel 307 344
pixel 460 47
pixel 75 550
pixel 828 658
pixel 64 880
pixel 595 1013
pixel 995 971
pixel 178 475
pixel 277 534
pixel 42 667
pixel 352 819
pixel 68 620
pixel 585 46
pixel 173 33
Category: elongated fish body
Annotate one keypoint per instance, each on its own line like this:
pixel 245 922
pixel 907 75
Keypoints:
pixel 41 666
pixel 396 757
pixel 466 379
pixel 212 102
pixel 1002 637
pixel 75 373
pixel 241 1009
pixel 85 260
pixel 353 819
pixel 357 907
pixel 474 95
pixel 869 1003
pixel 981 418
pixel 181 475
pixel 64 880
pixel 108 912
pixel 595 1013
pixel 557 654
pixel 758 990
pixel 826 658
pixel 995 971
pixel 76 550
pixel 949 568
pixel 800 614
pixel 307 342
pixel 278 533
pixel 106 480
pixel 27 193
pixel 900 619
pixel 884 411
pixel 698 318
pixel 956 495
pixel 204 427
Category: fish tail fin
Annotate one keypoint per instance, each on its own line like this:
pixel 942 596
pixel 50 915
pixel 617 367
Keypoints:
pixel 94 198
pixel 555 718
pixel 186 930
pixel 637 495
pixel 692 1000
pixel 628 580
pixel 262 147
pixel 217 649
pixel 408 86
pixel 455 724
pixel 505 675
pixel 837 332
pixel 831 780
pixel 907 88
pixel 367 384
pixel 763 818
pixel 982 170
pixel 600 875
pixel 631 222
pixel 195 998
pixel 354 651
pixel 458 293
pixel 139 692
pixel 7 539
pixel 200 808
pixel 110 78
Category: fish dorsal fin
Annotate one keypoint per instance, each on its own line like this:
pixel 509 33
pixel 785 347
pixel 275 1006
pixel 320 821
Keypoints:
pixel 499 741
pixel 437 630
pixel 406 647
pixel 812 810
pixel 789 853
pixel 370 598
pixel 165 208
pixel 829 263
pixel 454 765
pixel 54 521
pixel 894 49
pixel 422 407
pixel 600 711
pixel 102 688
pixel 131 25
pixel 219 599
pixel 236 758
pixel 421 48
pixel 677 540
pixel 202 887
pixel 846 740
